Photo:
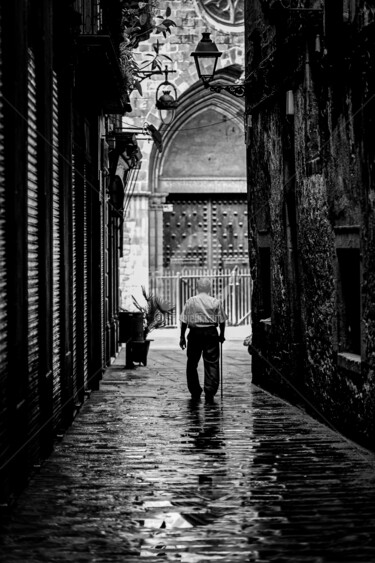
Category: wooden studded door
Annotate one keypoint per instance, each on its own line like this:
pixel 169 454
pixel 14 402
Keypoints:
pixel 206 233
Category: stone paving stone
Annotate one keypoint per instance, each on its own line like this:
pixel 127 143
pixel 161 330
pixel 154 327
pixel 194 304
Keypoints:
pixel 145 475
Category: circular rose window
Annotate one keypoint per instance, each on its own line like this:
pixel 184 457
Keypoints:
pixel 225 13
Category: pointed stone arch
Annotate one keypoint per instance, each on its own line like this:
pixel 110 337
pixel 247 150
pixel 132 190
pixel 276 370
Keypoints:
pixel 198 132
pixel 195 102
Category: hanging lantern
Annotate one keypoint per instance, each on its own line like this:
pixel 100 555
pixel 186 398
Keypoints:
pixel 166 103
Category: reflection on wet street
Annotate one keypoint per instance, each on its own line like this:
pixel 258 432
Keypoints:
pixel 145 474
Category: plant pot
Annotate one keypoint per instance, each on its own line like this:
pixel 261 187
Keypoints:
pixel 140 351
pixel 130 326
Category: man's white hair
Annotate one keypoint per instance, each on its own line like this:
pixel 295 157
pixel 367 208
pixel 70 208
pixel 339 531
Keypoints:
pixel 204 285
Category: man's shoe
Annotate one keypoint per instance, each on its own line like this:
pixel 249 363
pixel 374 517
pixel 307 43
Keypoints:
pixel 209 398
pixel 196 397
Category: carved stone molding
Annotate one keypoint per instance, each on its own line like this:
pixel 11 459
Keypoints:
pixel 226 13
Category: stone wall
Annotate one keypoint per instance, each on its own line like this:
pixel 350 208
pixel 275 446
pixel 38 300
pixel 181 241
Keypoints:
pixel 191 18
pixel 311 204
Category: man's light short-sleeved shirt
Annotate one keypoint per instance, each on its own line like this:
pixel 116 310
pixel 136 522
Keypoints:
pixel 203 310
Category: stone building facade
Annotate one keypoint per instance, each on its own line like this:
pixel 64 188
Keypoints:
pixel 62 92
pixel 310 112
pixel 200 173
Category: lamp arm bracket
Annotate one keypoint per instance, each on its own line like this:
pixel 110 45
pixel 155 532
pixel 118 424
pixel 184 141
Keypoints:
pixel 148 73
pixel 237 90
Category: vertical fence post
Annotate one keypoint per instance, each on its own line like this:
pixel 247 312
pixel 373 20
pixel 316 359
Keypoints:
pixel 178 297
pixel 234 296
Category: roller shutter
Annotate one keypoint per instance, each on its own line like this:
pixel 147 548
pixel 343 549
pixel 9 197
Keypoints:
pixel 33 241
pixel 102 279
pixel 3 288
pixel 56 261
pixel 85 278
pixel 74 282
pixel 81 274
pixel 106 239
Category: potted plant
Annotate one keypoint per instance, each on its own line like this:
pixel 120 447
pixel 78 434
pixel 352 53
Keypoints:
pixel 155 313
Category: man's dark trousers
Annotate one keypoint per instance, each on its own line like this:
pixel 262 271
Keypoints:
pixel 203 341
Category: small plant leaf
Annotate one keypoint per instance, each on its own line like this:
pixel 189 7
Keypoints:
pixel 169 23
pixel 138 86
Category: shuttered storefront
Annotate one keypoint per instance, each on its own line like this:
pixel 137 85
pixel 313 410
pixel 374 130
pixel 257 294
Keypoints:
pixel 4 440
pixel 85 277
pixel 80 273
pixel 73 288
pixel 96 286
pixel 103 277
pixel 107 316
pixel 56 260
pixel 33 240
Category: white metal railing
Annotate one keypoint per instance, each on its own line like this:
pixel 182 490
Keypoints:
pixel 232 286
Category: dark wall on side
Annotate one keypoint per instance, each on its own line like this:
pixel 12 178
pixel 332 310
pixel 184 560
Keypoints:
pixel 310 158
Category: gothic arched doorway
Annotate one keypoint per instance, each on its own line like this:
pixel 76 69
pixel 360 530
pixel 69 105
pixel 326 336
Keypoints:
pixel 199 185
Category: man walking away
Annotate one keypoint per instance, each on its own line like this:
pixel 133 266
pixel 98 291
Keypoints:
pixel 202 314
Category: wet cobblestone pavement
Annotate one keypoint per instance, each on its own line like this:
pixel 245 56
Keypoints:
pixel 145 475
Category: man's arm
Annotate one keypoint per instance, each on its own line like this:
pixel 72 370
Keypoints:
pixel 222 317
pixel 222 331
pixel 182 336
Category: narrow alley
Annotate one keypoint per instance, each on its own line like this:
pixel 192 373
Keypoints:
pixel 143 474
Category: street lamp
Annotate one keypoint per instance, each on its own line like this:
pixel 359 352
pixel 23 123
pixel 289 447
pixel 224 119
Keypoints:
pixel 206 56
pixel 166 103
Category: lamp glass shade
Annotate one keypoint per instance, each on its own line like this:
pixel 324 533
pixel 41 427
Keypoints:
pixel 167 106
pixel 206 67
pixel 167 115
pixel 206 56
